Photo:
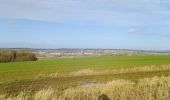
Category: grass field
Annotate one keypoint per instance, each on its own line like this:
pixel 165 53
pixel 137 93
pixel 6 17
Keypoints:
pixel 29 70
pixel 58 73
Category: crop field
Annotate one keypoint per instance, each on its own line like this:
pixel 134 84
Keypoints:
pixel 48 75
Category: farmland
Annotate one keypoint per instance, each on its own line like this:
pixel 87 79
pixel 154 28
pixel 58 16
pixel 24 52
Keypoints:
pixel 65 73
pixel 29 70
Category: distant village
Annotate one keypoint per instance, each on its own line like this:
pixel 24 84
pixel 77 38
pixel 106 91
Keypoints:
pixel 94 52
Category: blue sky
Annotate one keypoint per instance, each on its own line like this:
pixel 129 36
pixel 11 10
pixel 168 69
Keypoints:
pixel 117 24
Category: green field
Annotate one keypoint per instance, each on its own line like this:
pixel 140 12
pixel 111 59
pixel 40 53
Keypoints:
pixel 29 70
pixel 18 76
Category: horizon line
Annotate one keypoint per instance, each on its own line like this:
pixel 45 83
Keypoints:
pixel 85 49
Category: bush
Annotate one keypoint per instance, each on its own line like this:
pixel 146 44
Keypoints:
pixel 16 55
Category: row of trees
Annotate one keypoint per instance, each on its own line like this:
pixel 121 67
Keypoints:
pixel 16 55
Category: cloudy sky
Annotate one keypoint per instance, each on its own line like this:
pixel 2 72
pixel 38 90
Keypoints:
pixel 127 24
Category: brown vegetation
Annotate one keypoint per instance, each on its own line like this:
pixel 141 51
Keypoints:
pixel 156 88
pixel 16 55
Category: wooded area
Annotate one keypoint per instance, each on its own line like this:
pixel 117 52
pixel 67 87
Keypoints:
pixel 17 55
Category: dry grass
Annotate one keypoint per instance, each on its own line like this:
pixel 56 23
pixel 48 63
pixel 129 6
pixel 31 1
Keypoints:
pixel 88 72
pixel 143 69
pixel 157 88
pixel 56 74
pixel 21 96
pixel 46 94
pixel 84 72
pixel 146 89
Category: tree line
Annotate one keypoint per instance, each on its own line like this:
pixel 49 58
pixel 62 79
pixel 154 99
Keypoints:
pixel 17 55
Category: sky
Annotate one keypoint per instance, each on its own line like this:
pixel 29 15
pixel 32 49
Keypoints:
pixel 109 24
